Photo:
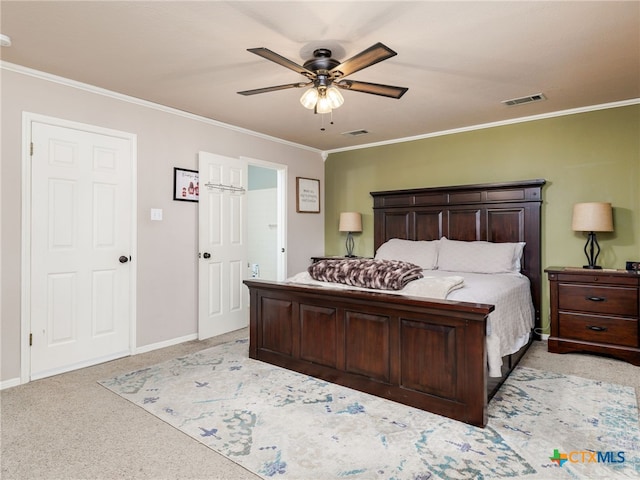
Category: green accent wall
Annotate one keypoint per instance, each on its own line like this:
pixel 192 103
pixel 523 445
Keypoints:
pixel 585 157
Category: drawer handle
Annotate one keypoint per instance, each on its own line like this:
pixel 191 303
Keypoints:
pixel 595 328
pixel 596 299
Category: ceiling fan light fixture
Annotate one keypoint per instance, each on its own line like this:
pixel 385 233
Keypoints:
pixel 323 105
pixel 309 98
pixel 323 101
pixel 335 97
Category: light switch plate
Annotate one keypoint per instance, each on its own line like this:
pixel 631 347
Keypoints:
pixel 156 214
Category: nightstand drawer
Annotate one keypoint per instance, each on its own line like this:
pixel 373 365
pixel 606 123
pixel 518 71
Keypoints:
pixel 594 279
pixel 599 329
pixel 599 299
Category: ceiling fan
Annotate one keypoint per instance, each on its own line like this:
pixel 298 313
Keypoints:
pixel 324 74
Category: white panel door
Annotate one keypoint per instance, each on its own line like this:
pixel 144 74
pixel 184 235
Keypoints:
pixel 223 299
pixel 81 205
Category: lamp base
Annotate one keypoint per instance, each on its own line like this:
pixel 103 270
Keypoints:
pixel 592 250
pixel 350 245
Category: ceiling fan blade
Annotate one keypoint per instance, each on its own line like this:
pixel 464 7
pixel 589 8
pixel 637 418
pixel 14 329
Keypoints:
pixel 373 88
pixel 280 60
pixel 273 89
pixel 372 55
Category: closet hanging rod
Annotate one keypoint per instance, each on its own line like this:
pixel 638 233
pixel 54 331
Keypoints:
pixel 221 186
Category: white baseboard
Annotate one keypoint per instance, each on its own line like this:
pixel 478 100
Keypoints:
pixel 166 343
pixel 14 382
pixel 545 337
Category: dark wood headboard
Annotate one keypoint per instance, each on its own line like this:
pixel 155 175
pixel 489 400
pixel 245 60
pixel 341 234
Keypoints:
pixel 494 212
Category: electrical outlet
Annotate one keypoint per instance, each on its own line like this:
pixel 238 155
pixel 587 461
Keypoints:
pixel 633 266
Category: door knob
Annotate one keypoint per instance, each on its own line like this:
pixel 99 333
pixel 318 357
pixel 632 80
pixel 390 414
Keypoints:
pixel 123 259
pixel 206 255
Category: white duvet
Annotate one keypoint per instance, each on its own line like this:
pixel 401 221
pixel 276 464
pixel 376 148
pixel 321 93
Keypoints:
pixel 508 326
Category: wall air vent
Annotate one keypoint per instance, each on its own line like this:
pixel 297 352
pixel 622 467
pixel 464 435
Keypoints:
pixel 355 133
pixel 528 99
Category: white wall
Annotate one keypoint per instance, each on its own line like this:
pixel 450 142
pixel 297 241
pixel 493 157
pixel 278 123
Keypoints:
pixel 167 250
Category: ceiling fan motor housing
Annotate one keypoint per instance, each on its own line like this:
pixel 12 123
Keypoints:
pixel 322 61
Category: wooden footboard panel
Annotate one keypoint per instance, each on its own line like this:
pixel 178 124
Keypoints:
pixel 427 354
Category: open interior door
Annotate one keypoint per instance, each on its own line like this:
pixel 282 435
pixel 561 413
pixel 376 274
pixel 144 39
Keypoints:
pixel 223 298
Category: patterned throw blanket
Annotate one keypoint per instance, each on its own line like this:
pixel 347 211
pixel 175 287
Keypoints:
pixel 367 273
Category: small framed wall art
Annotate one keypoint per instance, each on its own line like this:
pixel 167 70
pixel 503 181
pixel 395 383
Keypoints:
pixel 307 195
pixel 186 185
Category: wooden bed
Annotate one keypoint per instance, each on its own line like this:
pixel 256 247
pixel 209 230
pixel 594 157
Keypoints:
pixel 380 343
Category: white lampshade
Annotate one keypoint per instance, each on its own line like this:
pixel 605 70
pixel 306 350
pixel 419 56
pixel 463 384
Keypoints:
pixel 350 222
pixel 309 98
pixel 592 217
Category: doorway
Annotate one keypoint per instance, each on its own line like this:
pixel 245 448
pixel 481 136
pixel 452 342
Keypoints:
pixel 266 213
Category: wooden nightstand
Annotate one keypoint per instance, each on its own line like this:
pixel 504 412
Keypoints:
pixel 595 311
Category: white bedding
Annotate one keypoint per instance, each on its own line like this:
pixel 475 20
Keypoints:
pixel 508 326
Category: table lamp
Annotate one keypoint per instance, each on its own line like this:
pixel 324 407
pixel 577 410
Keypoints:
pixel 350 222
pixel 592 217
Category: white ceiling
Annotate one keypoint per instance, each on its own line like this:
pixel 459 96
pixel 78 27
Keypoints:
pixel 458 59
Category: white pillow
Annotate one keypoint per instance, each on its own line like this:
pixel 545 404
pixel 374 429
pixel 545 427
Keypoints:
pixel 419 252
pixel 479 257
pixel 518 249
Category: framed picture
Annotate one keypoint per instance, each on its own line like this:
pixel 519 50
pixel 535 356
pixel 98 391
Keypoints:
pixel 186 185
pixel 307 195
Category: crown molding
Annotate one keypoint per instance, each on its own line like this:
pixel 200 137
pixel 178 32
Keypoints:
pixel 560 113
pixel 145 103
pixel 323 153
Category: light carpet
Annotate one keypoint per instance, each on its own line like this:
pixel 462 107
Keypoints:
pixel 280 424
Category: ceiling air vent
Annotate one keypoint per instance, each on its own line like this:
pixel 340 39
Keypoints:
pixel 528 99
pixel 355 133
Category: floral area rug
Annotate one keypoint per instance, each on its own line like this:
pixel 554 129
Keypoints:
pixel 281 424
